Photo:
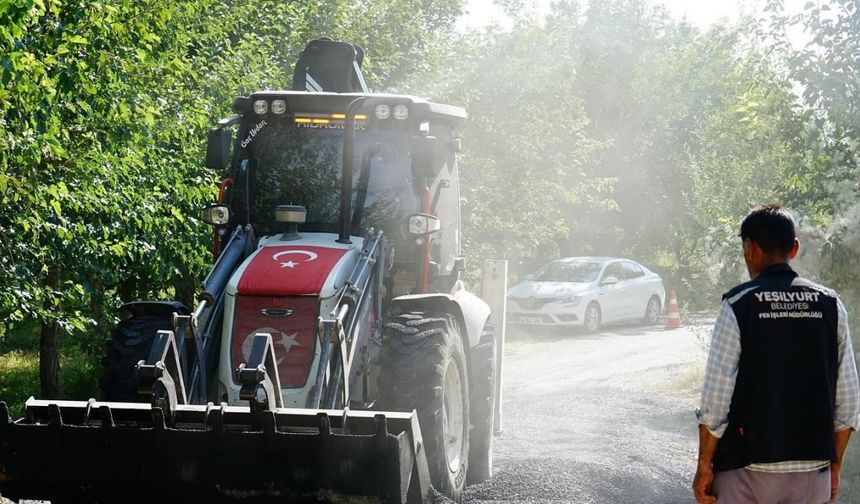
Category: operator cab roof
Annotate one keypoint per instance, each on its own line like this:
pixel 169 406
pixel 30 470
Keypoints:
pixel 305 103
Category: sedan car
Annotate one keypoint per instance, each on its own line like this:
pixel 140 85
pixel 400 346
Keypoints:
pixel 587 291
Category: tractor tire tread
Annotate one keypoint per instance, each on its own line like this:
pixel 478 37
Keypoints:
pixel 131 342
pixel 416 346
pixel 482 406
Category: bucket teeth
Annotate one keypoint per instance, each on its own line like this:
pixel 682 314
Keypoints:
pixel 159 429
pixel 55 422
pixel 210 450
pixel 324 424
pixel 381 426
pixel 107 423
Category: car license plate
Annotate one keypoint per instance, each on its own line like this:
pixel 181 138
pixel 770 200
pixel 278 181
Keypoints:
pixel 531 320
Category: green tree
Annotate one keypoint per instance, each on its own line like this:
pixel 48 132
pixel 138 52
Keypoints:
pixel 91 193
pixel 826 70
pixel 608 128
pixel 525 146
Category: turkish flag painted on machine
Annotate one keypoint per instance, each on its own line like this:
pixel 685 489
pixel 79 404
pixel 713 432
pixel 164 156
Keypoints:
pixel 289 270
pixel 292 328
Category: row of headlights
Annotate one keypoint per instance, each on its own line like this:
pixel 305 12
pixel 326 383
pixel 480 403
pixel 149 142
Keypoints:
pixel 261 107
pixel 382 111
pixel 400 112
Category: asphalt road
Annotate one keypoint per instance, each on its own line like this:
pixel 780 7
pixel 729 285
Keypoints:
pixel 603 418
pixel 607 418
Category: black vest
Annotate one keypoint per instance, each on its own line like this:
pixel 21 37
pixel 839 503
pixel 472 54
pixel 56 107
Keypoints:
pixel 783 404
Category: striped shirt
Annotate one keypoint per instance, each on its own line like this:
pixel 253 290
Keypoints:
pixel 722 371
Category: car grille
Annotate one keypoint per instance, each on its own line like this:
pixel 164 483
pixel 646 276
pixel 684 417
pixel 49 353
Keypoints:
pixel 530 303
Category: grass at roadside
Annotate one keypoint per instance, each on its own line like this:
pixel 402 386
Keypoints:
pixel 19 376
pixel 19 379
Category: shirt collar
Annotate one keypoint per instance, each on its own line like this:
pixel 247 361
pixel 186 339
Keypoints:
pixel 777 269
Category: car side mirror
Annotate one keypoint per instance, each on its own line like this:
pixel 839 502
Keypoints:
pixel 424 157
pixel 610 280
pixel 218 148
pixel 216 215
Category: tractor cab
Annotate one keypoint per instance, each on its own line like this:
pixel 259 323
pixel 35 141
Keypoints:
pixel 355 160
pixel 289 150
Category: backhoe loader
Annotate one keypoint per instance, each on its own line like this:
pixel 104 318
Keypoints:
pixel 334 352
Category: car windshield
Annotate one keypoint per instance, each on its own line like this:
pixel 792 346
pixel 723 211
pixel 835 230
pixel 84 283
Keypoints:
pixel 569 271
pixel 299 164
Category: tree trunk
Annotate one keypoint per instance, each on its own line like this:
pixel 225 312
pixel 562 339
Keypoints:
pixel 49 360
pixel 97 309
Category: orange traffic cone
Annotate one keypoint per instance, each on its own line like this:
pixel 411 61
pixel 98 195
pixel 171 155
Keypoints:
pixel 674 321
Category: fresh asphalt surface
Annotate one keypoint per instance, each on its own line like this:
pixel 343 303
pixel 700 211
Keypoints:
pixel 598 418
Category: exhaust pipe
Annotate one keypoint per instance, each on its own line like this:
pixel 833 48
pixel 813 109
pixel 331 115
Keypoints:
pixel 346 170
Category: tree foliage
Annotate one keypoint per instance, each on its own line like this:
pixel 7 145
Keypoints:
pixel 825 67
pixel 610 129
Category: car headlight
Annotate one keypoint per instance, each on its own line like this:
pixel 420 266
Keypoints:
pixel 570 300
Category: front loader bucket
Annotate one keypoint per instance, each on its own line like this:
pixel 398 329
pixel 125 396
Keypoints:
pixel 93 451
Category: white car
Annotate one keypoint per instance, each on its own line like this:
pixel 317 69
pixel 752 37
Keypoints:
pixel 587 291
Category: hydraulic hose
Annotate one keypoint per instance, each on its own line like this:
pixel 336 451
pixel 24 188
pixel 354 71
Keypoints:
pixel 234 252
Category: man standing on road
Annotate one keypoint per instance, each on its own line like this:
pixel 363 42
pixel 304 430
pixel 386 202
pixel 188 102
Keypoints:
pixel 780 396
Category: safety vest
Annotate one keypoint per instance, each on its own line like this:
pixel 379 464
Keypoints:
pixel 783 403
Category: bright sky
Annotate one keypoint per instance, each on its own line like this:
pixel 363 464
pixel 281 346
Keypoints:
pixel 702 13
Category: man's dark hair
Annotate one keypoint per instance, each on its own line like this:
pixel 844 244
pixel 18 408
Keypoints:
pixel 771 227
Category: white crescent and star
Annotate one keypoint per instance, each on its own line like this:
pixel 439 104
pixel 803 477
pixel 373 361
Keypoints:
pixel 287 341
pixel 311 256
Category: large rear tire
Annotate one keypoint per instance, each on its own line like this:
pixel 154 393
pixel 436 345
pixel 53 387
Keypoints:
pixel 423 367
pixel 482 407
pixel 130 342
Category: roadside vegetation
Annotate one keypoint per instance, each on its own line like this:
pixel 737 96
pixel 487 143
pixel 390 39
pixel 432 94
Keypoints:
pixel 606 128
